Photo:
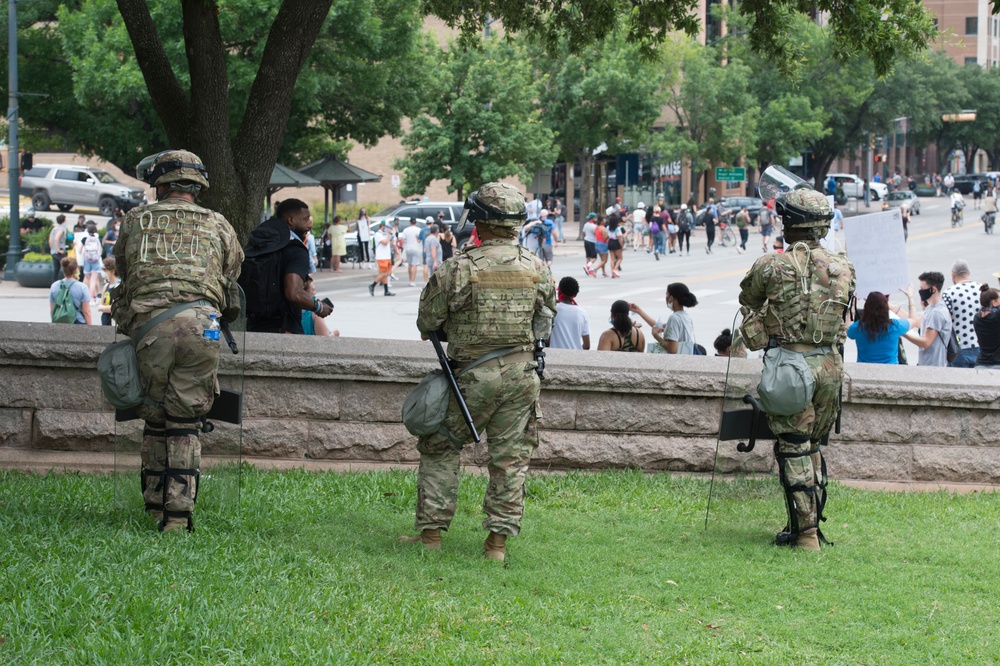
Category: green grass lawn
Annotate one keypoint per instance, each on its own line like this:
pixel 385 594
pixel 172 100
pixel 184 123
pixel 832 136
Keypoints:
pixel 610 568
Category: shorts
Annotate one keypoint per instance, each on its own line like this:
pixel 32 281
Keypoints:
pixel 977 195
pixel 601 248
pixel 546 252
pixel 613 244
pixel 765 230
pixel 414 257
pixel 384 265
pixel 92 267
pixel 589 249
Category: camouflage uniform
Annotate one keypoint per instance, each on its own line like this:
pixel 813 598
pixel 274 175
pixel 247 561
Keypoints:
pixel 170 252
pixel 485 299
pixel 799 296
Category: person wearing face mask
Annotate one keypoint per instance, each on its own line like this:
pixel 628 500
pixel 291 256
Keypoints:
pixel 935 323
pixel 111 281
pixel 794 305
pixel 676 336
pixel 987 325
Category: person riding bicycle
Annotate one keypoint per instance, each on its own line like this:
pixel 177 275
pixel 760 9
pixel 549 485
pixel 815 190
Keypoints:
pixel 957 201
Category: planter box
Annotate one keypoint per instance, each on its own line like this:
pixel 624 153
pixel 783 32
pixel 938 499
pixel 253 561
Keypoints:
pixel 34 274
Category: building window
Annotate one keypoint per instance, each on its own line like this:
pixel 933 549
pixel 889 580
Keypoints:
pixel 972 25
pixel 971 60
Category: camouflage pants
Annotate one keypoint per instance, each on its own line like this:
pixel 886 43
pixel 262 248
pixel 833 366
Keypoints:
pixel 503 402
pixel 178 368
pixel 800 462
pixel 818 417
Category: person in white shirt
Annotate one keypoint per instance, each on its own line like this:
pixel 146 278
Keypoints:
pixel 589 243
pixel 413 248
pixel 364 239
pixel 571 327
pixel 383 257
pixel 638 225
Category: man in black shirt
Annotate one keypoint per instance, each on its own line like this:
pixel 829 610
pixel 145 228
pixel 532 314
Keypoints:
pixel 275 270
pixel 30 223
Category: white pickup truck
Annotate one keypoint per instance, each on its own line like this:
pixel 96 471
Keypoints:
pixel 855 187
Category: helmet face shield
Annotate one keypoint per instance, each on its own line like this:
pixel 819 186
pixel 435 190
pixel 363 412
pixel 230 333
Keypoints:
pixel 144 169
pixel 776 181
pixel 486 205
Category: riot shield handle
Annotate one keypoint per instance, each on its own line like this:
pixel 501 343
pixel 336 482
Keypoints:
pixel 757 410
pixel 224 325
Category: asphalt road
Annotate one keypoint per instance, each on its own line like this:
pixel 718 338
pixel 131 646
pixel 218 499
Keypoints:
pixel 933 245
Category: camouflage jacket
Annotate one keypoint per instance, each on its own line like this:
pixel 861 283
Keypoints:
pixel 488 298
pixel 174 251
pixel 801 293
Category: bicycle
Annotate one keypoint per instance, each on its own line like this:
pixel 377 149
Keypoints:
pixel 727 237
pixel 989 220
pixel 957 216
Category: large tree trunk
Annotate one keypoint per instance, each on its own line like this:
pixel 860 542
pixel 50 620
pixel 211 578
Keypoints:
pixel 239 165
pixel 587 189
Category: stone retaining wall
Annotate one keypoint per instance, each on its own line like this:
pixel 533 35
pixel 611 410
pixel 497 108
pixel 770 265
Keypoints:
pixel 339 399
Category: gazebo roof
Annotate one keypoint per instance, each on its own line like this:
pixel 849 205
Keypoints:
pixel 333 171
pixel 282 176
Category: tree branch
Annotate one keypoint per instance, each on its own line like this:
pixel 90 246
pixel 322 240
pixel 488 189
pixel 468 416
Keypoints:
pixel 269 104
pixel 165 91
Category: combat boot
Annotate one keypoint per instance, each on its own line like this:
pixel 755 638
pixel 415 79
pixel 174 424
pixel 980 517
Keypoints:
pixel 430 538
pixel 495 547
pixel 808 540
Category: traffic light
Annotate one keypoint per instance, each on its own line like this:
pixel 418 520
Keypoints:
pixel 26 160
pixel 879 158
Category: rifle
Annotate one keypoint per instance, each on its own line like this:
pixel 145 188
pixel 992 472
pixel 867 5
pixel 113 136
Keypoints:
pixel 453 383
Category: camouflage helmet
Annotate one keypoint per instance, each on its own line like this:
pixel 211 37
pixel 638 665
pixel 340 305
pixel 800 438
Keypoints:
pixel 180 169
pixel 500 204
pixel 804 208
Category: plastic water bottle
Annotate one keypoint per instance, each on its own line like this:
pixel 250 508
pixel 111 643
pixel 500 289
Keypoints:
pixel 213 332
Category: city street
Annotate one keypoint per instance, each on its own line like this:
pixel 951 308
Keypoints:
pixel 714 279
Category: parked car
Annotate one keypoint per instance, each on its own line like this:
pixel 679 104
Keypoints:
pixel 733 204
pixel 67 185
pixel 421 210
pixel 964 181
pixel 902 199
pixel 855 187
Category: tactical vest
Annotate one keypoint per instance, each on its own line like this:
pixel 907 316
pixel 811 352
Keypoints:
pixel 498 310
pixel 807 296
pixel 173 251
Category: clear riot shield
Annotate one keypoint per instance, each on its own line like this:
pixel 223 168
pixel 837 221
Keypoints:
pixel 745 443
pixel 221 437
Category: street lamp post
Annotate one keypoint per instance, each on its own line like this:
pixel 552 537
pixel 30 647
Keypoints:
pixel 14 249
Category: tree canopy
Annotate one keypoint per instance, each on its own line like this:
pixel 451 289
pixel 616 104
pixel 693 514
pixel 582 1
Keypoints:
pixel 482 122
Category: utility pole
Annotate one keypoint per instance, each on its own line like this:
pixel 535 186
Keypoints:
pixel 14 249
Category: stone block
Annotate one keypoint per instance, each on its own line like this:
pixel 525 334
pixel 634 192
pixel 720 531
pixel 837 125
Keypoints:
pixel 15 428
pixel 614 450
pixel 558 410
pixel 876 423
pixel 958 464
pixel 275 438
pixel 73 431
pixel 647 414
pixel 868 460
pixel 384 442
pixel 980 429
pixel 731 461
pixel 373 401
pixel 275 397
pixel 45 388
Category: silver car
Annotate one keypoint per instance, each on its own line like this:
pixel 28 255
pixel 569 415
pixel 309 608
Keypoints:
pixel 67 185
pixel 902 199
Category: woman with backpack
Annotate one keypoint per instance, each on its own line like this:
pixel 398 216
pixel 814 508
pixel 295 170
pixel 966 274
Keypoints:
pixel 685 220
pixel 69 299
pixel 91 248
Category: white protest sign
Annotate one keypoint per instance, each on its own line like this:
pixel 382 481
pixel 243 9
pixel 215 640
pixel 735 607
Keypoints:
pixel 877 248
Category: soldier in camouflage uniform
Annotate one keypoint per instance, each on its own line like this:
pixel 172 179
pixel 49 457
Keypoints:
pixel 168 253
pixel 497 296
pixel 799 298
